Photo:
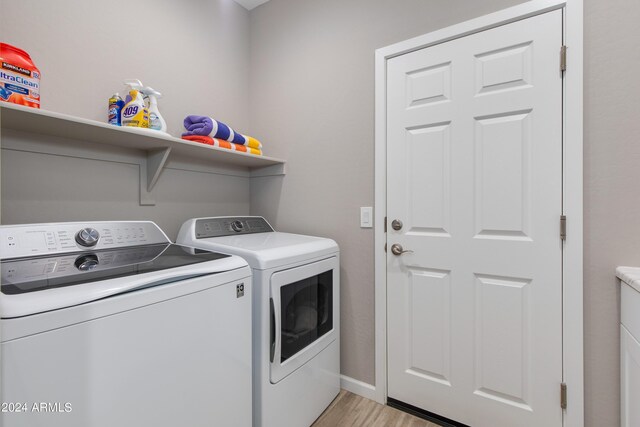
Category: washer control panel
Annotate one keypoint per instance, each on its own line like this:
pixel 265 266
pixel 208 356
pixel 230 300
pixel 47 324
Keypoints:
pixel 42 239
pixel 229 226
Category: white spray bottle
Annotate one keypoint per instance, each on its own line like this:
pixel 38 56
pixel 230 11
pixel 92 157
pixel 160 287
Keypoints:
pixel 156 121
pixel 135 112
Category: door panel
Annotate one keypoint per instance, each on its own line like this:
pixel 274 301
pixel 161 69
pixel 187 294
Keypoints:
pixel 502 164
pixel 474 167
pixel 429 85
pixel 502 335
pixel 428 161
pixel 429 305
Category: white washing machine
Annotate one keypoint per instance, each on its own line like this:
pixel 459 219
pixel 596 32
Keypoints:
pixel 296 339
pixel 109 324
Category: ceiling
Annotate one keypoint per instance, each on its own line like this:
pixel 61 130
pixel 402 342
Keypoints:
pixel 250 4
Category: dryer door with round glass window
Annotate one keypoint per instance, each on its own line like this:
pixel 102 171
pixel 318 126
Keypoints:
pixel 304 314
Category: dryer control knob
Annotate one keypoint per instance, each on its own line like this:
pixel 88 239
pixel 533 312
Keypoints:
pixel 87 237
pixel 237 226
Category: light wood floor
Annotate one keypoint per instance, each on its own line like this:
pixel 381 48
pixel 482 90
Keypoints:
pixel 351 410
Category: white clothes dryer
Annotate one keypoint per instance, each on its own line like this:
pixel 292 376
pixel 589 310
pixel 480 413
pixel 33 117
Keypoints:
pixel 110 324
pixel 296 308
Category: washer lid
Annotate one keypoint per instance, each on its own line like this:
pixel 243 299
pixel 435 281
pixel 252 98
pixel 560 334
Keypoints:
pixel 267 250
pixel 38 284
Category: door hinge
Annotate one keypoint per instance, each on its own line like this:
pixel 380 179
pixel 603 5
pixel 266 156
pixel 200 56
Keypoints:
pixel 563 58
pixel 563 227
pixel 563 395
pixel 385 224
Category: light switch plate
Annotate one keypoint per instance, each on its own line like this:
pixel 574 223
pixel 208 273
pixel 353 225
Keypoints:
pixel 366 217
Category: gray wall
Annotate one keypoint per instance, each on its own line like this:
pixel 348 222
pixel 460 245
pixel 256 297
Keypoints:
pixel 196 52
pixel 39 187
pixel 612 191
pixel 312 92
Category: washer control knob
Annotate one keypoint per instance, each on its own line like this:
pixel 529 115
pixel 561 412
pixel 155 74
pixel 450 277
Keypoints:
pixel 86 262
pixel 87 237
pixel 237 226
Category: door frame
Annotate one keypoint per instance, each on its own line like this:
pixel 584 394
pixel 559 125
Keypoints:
pixel 572 197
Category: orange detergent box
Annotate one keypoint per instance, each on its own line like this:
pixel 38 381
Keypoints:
pixel 19 77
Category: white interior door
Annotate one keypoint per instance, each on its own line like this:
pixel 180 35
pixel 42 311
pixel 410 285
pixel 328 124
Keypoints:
pixel 474 167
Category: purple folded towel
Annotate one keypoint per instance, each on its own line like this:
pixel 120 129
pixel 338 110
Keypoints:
pixel 206 126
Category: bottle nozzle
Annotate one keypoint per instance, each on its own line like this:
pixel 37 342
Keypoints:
pixel 133 84
pixel 149 91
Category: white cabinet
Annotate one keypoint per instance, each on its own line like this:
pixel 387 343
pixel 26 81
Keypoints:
pixel 629 346
pixel 630 379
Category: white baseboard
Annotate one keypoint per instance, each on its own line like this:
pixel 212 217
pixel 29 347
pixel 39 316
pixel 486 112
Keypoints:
pixel 358 387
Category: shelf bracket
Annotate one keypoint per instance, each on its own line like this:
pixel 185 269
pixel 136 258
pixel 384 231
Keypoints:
pixel 272 170
pixel 155 162
pixel 150 170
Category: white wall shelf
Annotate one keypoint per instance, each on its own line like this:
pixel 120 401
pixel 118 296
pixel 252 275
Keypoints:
pixel 158 146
